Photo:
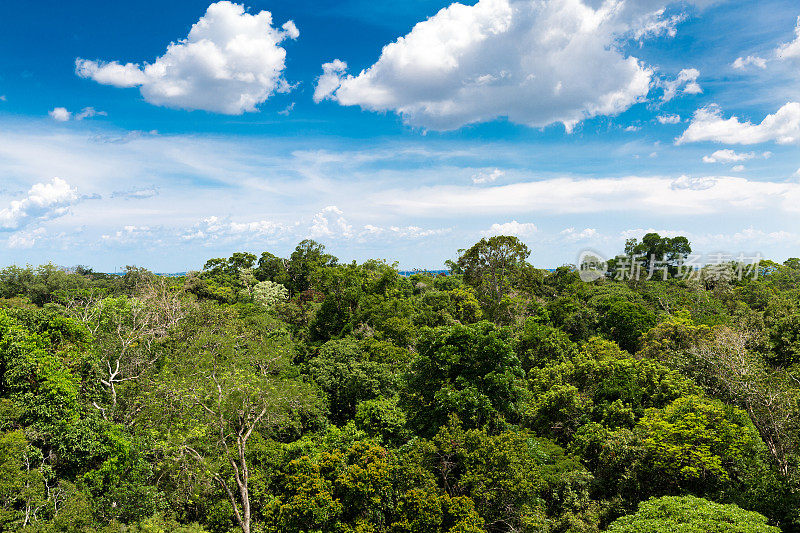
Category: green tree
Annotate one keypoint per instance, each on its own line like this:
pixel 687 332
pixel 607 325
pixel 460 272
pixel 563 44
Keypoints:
pixel 688 514
pixel 698 445
pixel 541 344
pixel 347 376
pixel 654 249
pixel 470 371
pixel 625 323
pixel 307 257
pixel 228 385
pixel 271 268
pixel 491 266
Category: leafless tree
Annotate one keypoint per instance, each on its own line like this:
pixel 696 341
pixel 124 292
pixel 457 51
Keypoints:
pixel 129 330
pixel 730 369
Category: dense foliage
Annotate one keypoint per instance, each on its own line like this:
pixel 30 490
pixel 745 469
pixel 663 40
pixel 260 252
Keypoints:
pixel 301 394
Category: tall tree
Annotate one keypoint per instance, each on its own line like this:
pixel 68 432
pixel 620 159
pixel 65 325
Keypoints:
pixel 228 386
pixel 307 257
pixel 659 253
pixel 492 266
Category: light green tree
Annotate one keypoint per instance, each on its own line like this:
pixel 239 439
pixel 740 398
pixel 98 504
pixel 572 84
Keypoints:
pixel 688 514
pixel 269 294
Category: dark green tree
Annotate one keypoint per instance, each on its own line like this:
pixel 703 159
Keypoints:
pixel 471 371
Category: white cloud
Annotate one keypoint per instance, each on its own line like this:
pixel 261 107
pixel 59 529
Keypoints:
pixel 534 62
pixel 742 63
pixel 728 156
pixel 790 50
pixel 404 232
pixel 633 128
pixel 213 229
pixel 137 193
pixel 130 234
pixel 685 82
pixel 563 196
pixel 707 245
pixel 640 232
pixel 694 184
pixel 330 79
pixel 25 239
pixel 230 62
pixel 487 176
pixel 514 228
pixel 286 110
pixel 669 119
pixel 655 25
pixel 707 124
pixel 43 201
pixel 60 114
pixel 330 222
pixel 88 112
pixel 573 235
pixel 757 236
pixel 738 168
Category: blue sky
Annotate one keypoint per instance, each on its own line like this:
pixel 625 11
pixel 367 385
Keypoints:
pixel 395 130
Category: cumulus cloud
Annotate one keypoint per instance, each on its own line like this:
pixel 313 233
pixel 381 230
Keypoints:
pixel 669 119
pixel 533 62
pixel 43 201
pixel 708 124
pixel 330 79
pixel 573 235
pixel 514 228
pixel 685 82
pixel 212 229
pixel 791 50
pixel 738 168
pixel 330 222
pixel 742 63
pixel 230 62
pixel 728 156
pixel 487 176
pixel 60 114
pixel 327 224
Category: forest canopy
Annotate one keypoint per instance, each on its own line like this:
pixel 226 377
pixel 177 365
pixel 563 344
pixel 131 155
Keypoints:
pixel 304 394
